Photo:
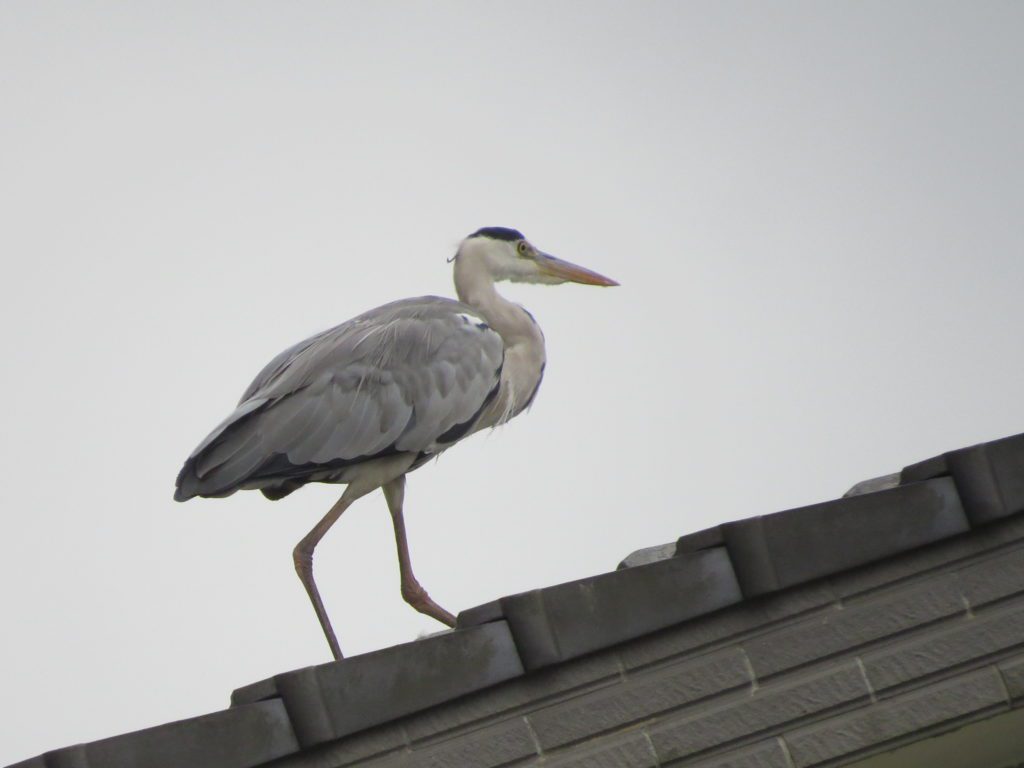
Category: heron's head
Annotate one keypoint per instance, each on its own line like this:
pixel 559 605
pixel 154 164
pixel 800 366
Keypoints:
pixel 504 254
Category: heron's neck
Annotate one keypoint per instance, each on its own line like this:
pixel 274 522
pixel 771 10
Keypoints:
pixel 476 288
pixel 523 363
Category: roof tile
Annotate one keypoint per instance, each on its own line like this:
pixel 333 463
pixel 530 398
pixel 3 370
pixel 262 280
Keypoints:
pixel 963 643
pixel 945 703
pixel 640 697
pixel 836 631
pixel 769 708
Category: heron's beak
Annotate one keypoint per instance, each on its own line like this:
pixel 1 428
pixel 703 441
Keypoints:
pixel 564 270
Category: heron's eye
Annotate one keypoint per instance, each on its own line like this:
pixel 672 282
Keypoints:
pixel 523 248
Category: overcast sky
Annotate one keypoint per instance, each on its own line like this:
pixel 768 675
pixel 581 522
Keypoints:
pixel 814 209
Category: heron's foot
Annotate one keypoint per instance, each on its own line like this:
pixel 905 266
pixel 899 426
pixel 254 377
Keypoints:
pixel 417 597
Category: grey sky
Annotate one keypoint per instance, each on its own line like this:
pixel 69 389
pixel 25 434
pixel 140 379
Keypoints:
pixel 814 211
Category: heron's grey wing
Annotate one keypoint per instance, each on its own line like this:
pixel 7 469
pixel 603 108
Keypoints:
pixel 411 376
pixel 278 365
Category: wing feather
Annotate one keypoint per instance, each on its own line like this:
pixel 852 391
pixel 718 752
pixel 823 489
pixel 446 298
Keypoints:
pixel 294 417
pixel 224 450
pixel 408 376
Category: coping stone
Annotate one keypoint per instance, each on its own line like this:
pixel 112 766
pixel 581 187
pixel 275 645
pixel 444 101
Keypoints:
pixel 558 623
pixel 874 485
pixel 709 538
pixel 961 551
pixel 250 694
pixel 241 737
pixel 33 762
pixel 988 476
pixel 781 550
pixel 479 614
pixel 649 555
pixel 333 700
pixel 928 469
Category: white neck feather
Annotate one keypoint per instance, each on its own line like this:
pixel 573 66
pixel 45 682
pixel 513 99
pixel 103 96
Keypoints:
pixel 524 342
pixel 474 285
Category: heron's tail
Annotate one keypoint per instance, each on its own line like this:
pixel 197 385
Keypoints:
pixel 187 484
pixel 222 462
pixel 213 484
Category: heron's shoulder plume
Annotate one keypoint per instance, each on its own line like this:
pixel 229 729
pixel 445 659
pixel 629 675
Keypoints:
pixel 498 233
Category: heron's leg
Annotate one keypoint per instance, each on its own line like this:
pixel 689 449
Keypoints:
pixel 303 557
pixel 412 592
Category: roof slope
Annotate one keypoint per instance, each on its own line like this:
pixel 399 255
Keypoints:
pixel 808 637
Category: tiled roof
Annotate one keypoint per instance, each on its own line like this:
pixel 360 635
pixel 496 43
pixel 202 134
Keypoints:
pixel 525 650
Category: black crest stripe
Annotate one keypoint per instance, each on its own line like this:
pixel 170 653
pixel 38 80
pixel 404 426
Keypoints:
pixel 499 233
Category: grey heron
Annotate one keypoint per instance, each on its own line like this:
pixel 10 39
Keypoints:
pixel 370 400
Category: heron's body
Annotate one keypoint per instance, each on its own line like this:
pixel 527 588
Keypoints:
pixel 370 400
pixel 406 380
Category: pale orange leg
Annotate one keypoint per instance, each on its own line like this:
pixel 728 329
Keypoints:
pixel 414 594
pixel 303 557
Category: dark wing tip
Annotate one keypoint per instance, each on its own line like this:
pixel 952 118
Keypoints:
pixel 186 486
pixel 276 493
